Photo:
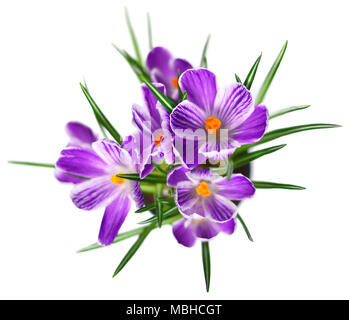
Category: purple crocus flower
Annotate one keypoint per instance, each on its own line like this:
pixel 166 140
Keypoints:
pixel 187 230
pixel 163 68
pixel 222 119
pixel 80 136
pixel 205 193
pixel 104 188
pixel 155 141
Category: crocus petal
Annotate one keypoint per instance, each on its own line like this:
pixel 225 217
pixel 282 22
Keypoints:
pixel 238 188
pixel 187 152
pixel 253 128
pixel 159 58
pixel 81 162
pixel 201 87
pixel 61 176
pixel 217 151
pixel 151 104
pixel 186 199
pixel 114 216
pixel 79 134
pixel 112 153
pixel 227 227
pixel 206 229
pixel 233 105
pixel 218 208
pixel 141 118
pixel 188 116
pixel 181 65
pixel 176 175
pixel 183 232
pixel 203 174
pixel 137 194
pixel 94 193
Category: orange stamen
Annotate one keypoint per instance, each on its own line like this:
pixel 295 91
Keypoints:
pixel 203 190
pixel 158 139
pixel 175 82
pixel 212 124
pixel 117 180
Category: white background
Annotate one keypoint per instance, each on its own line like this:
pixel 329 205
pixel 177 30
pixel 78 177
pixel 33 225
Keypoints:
pixel 301 237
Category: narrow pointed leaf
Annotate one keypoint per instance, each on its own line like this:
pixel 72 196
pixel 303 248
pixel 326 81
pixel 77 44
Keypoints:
pixel 168 105
pixel 159 169
pixel 237 78
pixel 159 212
pixel 167 214
pixel 146 208
pixel 278 133
pixel 133 249
pixel 131 233
pixel 248 157
pixel 119 237
pixel 136 68
pixel 287 110
pixel 230 168
pixel 102 118
pixel 203 62
pixel 33 164
pixel 206 262
pixel 274 185
pixel 150 34
pixel 250 77
pixel 245 228
pixel 133 38
pixel 149 178
pixel 270 76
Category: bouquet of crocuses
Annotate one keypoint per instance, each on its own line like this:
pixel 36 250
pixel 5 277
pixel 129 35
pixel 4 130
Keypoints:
pixel 188 160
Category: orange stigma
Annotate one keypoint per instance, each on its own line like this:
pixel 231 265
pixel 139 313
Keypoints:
pixel 117 180
pixel 158 139
pixel 203 190
pixel 212 124
pixel 175 82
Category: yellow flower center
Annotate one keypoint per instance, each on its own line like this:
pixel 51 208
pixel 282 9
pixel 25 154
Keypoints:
pixel 212 124
pixel 117 180
pixel 203 190
pixel 158 139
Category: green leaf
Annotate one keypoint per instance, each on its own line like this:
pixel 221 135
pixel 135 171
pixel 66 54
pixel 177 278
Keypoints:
pixel 149 178
pixel 245 228
pixel 248 157
pixel 168 105
pixel 287 110
pixel 131 233
pixel 159 169
pixel 136 68
pixel 167 214
pixel 146 208
pixel 159 211
pixel 133 38
pixel 203 62
pixel 119 237
pixel 97 117
pixel 206 263
pixel 150 35
pixel 250 77
pixel 133 249
pixel 278 133
pixel 102 118
pixel 237 78
pixel 270 76
pixel 274 185
pixel 34 164
pixel 230 168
